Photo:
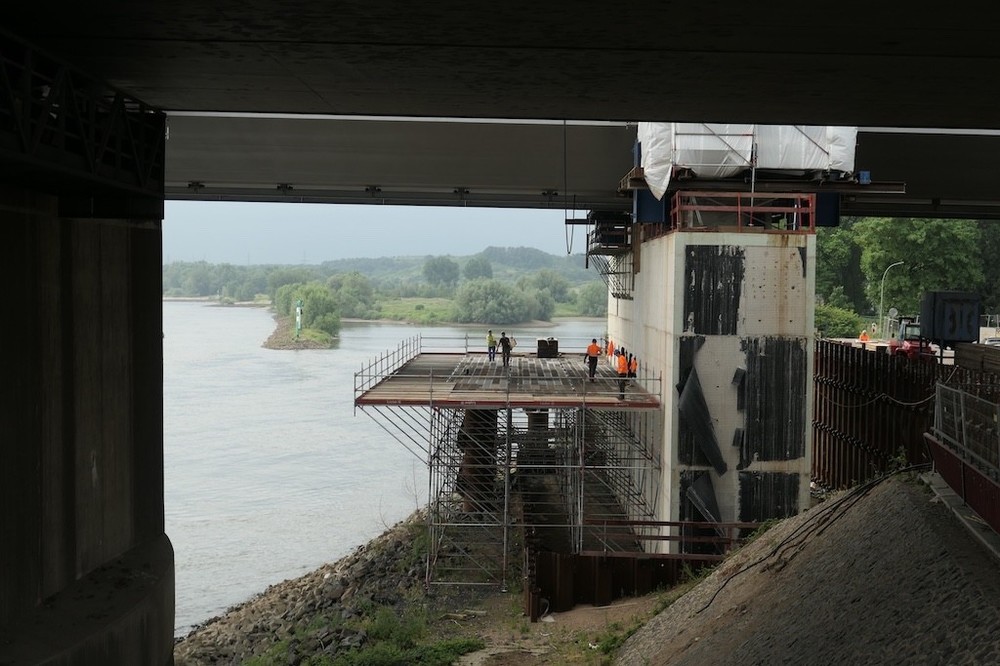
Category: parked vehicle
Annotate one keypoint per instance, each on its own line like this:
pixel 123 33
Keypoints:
pixel 908 341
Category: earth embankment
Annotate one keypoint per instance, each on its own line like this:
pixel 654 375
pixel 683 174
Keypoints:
pixel 883 575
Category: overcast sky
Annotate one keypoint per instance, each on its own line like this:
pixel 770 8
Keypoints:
pixel 294 233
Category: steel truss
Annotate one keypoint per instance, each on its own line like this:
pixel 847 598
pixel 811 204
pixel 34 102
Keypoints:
pixel 616 270
pixel 52 117
pixel 501 478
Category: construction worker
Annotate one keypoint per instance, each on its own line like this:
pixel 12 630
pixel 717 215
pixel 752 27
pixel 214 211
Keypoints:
pixel 611 352
pixel 864 335
pixel 633 366
pixel 593 355
pixel 622 372
pixel 491 345
pixel 506 344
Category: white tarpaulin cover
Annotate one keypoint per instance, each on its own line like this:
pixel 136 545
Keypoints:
pixel 715 150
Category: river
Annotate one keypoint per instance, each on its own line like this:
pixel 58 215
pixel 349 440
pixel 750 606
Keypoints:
pixel 268 470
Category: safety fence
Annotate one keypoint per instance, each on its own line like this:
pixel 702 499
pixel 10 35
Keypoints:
pixel 385 364
pixel 389 362
pixel 965 445
pixel 970 426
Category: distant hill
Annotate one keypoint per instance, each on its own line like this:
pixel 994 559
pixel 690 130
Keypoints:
pixel 507 263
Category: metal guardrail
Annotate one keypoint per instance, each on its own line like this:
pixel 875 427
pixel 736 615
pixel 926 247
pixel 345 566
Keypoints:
pixel 793 212
pixel 518 378
pixel 386 364
pixel 53 113
pixel 970 426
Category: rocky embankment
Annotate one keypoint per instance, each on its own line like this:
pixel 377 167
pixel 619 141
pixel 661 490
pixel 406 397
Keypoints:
pixel 384 572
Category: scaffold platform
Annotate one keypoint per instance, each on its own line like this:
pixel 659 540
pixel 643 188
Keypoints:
pixel 471 381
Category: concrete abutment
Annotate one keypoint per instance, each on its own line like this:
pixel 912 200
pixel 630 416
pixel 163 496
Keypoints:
pixel 89 573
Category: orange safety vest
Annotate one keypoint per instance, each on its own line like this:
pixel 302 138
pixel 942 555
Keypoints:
pixel 593 349
pixel 622 365
pixel 611 348
pixel 634 366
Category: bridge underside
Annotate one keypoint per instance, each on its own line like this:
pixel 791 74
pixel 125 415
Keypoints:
pixel 572 166
pixel 83 94
pixel 725 62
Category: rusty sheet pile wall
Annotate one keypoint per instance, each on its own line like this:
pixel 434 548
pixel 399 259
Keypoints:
pixel 872 410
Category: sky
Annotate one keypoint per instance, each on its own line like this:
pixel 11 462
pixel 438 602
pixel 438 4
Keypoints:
pixel 298 233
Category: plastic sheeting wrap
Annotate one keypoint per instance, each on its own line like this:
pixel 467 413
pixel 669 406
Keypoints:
pixel 715 151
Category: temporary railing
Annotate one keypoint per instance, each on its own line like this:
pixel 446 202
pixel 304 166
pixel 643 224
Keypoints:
pixel 965 446
pixel 386 364
pixel 389 362
pixel 743 211
pixel 454 379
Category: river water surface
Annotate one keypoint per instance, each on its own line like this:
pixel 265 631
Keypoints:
pixel 269 472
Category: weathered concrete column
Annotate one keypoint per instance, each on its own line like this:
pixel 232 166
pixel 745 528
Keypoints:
pixel 86 571
pixel 727 320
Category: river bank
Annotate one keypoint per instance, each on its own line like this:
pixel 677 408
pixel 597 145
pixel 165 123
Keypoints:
pixel 879 575
pixel 340 609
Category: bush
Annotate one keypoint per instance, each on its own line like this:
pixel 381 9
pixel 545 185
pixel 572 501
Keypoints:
pixel 834 322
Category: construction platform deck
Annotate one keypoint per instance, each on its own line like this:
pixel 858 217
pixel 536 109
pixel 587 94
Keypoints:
pixel 471 381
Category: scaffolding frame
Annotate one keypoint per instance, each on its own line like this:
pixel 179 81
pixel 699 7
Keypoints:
pixel 616 268
pixel 496 474
pixel 502 476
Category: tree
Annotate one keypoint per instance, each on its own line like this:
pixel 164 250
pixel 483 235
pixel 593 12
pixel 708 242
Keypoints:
pixel 592 299
pixel 353 294
pixel 492 302
pixel 282 276
pixel 939 255
pixel 989 246
pixel 546 279
pixel 834 322
pixel 319 309
pixel 524 258
pixel 198 280
pixel 838 265
pixel 478 267
pixel 542 305
pixel 440 271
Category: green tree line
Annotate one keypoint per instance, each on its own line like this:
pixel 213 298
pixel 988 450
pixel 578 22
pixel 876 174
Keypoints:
pixel 510 285
pixel 852 280
pixel 468 286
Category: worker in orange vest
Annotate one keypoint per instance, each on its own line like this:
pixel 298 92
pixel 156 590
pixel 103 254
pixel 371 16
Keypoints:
pixel 611 351
pixel 633 365
pixel 864 335
pixel 593 355
pixel 622 372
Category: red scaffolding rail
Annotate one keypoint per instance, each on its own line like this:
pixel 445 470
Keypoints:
pixel 743 211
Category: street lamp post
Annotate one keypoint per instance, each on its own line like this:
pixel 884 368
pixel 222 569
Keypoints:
pixel 881 297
